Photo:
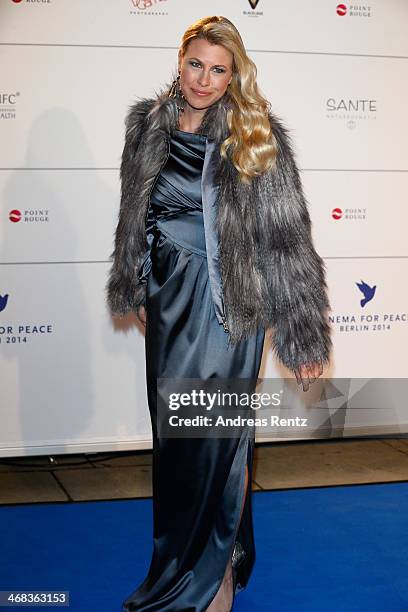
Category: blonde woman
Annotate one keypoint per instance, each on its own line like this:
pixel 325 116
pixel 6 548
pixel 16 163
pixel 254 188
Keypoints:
pixel 212 248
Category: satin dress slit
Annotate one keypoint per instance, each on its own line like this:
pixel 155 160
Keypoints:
pixel 198 483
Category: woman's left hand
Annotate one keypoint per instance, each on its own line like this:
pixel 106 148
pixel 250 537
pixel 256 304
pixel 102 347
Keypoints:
pixel 307 374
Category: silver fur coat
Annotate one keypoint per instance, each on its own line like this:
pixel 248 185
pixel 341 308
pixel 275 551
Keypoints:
pixel 269 273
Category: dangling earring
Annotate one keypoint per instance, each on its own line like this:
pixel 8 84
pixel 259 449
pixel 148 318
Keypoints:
pixel 176 92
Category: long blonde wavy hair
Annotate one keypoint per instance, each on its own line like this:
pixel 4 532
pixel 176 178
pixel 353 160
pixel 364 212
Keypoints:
pixel 251 139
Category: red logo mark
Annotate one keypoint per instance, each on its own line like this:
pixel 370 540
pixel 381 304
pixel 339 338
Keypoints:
pixel 15 216
pixel 341 9
pixel 337 213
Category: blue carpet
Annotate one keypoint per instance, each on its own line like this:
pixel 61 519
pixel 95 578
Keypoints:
pixel 340 549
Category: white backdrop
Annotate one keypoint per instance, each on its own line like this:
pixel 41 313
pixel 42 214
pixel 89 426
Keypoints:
pixel 72 379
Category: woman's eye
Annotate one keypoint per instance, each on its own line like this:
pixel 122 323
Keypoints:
pixel 197 65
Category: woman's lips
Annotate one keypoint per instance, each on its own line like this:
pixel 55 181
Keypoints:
pixel 201 94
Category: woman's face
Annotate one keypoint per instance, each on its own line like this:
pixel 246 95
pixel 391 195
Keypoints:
pixel 205 72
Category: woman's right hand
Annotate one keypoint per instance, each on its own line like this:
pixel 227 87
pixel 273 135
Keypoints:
pixel 141 314
pixel 307 373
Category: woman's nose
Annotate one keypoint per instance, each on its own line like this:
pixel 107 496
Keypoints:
pixel 204 78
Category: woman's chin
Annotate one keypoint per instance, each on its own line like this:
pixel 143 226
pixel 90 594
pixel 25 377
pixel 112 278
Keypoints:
pixel 199 103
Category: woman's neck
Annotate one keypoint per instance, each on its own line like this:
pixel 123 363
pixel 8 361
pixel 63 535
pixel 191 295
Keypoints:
pixel 190 119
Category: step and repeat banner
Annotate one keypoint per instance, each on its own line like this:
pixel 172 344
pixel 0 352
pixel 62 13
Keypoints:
pixel 72 377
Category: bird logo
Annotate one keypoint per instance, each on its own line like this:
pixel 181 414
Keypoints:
pixel 3 301
pixel 367 291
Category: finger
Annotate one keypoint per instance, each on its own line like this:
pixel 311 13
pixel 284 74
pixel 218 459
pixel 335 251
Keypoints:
pixel 312 373
pixel 317 369
pixel 305 381
pixel 298 376
pixel 305 377
pixel 141 316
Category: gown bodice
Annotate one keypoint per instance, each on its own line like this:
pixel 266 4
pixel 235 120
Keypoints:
pixel 175 207
pixel 178 186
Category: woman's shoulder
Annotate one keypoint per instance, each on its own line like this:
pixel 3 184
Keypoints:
pixel 285 145
pixel 138 111
pixel 280 129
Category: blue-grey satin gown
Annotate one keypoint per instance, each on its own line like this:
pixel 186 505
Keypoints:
pixel 198 483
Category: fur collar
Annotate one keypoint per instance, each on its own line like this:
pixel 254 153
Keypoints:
pixel 164 115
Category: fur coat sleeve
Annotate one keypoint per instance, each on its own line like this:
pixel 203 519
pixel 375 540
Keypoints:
pixel 124 292
pixel 295 274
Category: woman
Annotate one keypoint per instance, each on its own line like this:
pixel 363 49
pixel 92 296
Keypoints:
pixel 213 247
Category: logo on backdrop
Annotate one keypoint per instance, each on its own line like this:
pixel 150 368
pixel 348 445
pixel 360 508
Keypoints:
pixel 29 216
pixel 33 1
pixel 375 321
pixel 15 216
pixel 367 291
pixel 353 10
pixel 23 332
pixel 253 13
pixel 8 105
pixel 351 110
pixel 3 301
pixel 349 214
pixel 149 7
